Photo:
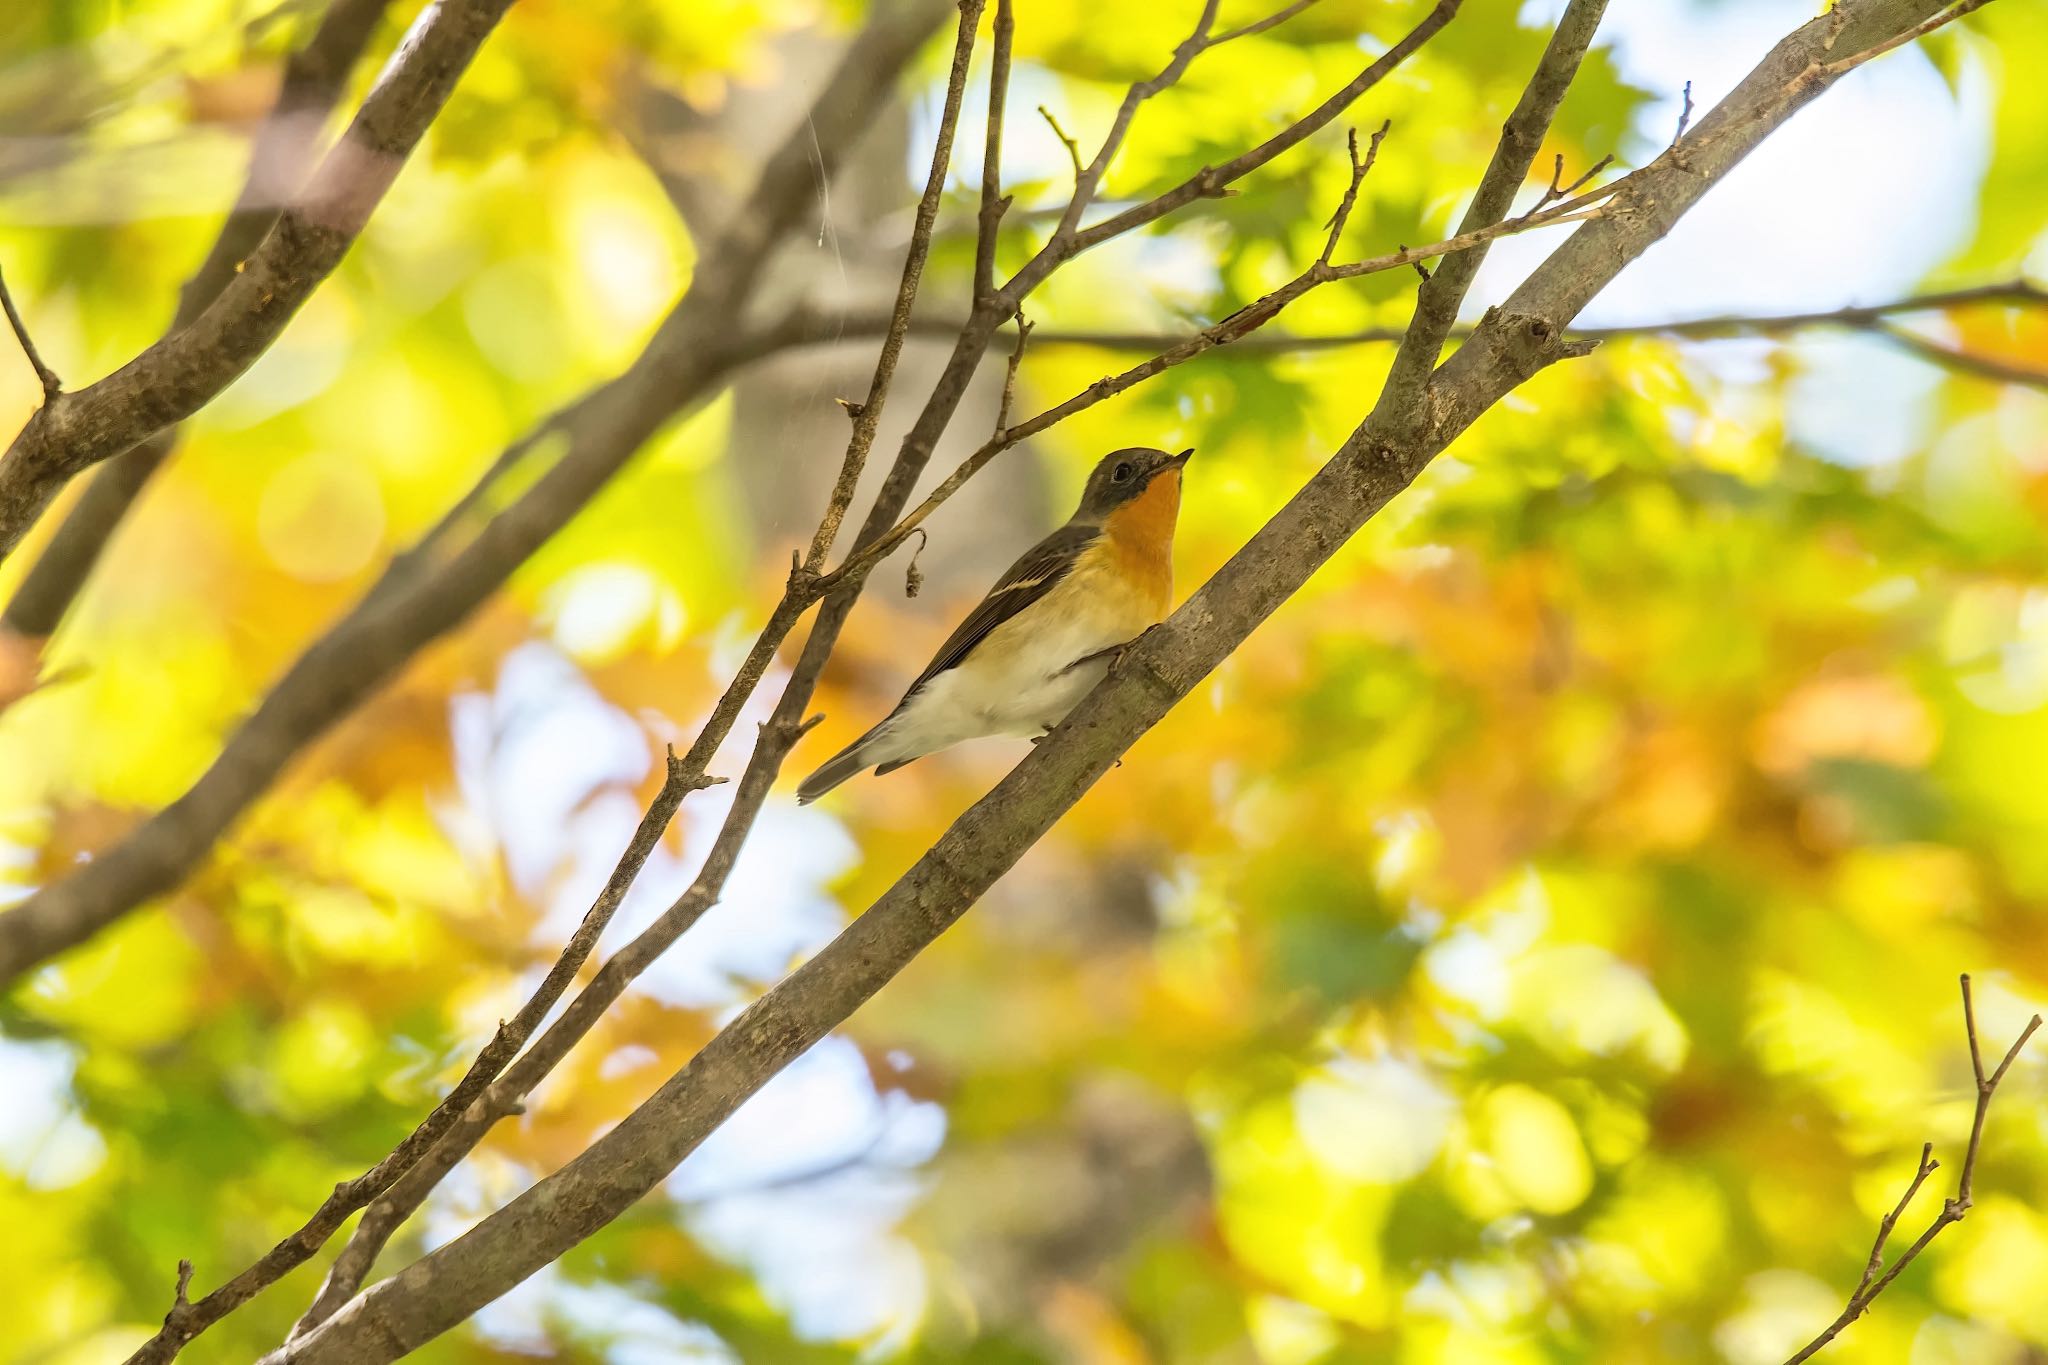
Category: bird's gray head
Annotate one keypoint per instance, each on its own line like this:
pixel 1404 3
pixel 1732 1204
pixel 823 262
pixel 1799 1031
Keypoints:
pixel 1123 475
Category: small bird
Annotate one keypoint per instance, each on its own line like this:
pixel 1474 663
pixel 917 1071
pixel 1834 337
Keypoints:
pixel 1047 631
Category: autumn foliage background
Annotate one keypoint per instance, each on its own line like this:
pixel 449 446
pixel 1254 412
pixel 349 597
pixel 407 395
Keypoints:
pixel 1537 944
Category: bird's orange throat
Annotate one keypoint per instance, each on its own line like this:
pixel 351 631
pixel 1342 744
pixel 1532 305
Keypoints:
pixel 1140 535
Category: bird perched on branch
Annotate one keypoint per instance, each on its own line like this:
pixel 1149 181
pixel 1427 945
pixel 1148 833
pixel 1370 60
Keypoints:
pixel 1047 631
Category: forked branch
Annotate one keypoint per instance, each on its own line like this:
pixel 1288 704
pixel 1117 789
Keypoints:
pixel 1877 1276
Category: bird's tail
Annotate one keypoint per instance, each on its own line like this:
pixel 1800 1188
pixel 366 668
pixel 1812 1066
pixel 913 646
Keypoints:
pixel 863 753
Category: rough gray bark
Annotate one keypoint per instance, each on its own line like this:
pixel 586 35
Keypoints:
pixel 182 372
pixel 1379 460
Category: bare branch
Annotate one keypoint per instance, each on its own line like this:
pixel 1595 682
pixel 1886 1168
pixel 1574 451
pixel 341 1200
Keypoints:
pixel 1684 117
pixel 1273 20
pixel 1009 395
pixel 1088 180
pixel 1875 1280
pixel 1441 295
pixel 1972 363
pixel 1928 1166
pixel 868 415
pixel 183 371
pixel 994 203
pixel 282 151
pixel 52 385
pixel 834 328
pixel 1073 147
pixel 1211 181
pixel 1358 173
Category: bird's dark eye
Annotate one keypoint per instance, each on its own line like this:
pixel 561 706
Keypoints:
pixel 1122 473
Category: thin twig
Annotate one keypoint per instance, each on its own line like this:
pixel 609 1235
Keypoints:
pixel 1016 361
pixel 994 203
pixel 1088 179
pixel 1874 1280
pixel 1273 20
pixel 1899 40
pixel 1928 1166
pixel 1972 363
pixel 867 416
pixel 1521 136
pixel 1556 191
pixel 1073 147
pixel 1358 173
pixel 1212 181
pixel 1684 116
pixel 52 386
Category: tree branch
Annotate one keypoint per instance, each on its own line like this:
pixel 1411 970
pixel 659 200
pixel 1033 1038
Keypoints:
pixel 1210 181
pixel 283 148
pixel 1985 367
pixel 1437 302
pixel 1876 1276
pixel 823 329
pixel 180 373
pixel 1374 465
pixel 994 203
pixel 868 414
pixel 52 385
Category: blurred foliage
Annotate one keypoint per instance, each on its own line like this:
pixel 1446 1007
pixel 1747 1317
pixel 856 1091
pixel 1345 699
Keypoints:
pixel 1537 945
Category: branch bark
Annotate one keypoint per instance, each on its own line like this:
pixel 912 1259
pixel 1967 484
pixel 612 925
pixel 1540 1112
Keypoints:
pixel 1380 459
pixel 182 372
pixel 278 157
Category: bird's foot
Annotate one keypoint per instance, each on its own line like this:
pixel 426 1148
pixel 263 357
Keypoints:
pixel 1115 653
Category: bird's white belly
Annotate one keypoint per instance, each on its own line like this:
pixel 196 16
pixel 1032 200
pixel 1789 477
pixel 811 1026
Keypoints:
pixel 1015 683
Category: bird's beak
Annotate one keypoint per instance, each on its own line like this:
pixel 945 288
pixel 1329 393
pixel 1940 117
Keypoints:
pixel 1178 460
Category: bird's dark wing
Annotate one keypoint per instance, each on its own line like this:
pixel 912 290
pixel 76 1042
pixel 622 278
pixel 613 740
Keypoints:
pixel 1029 579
